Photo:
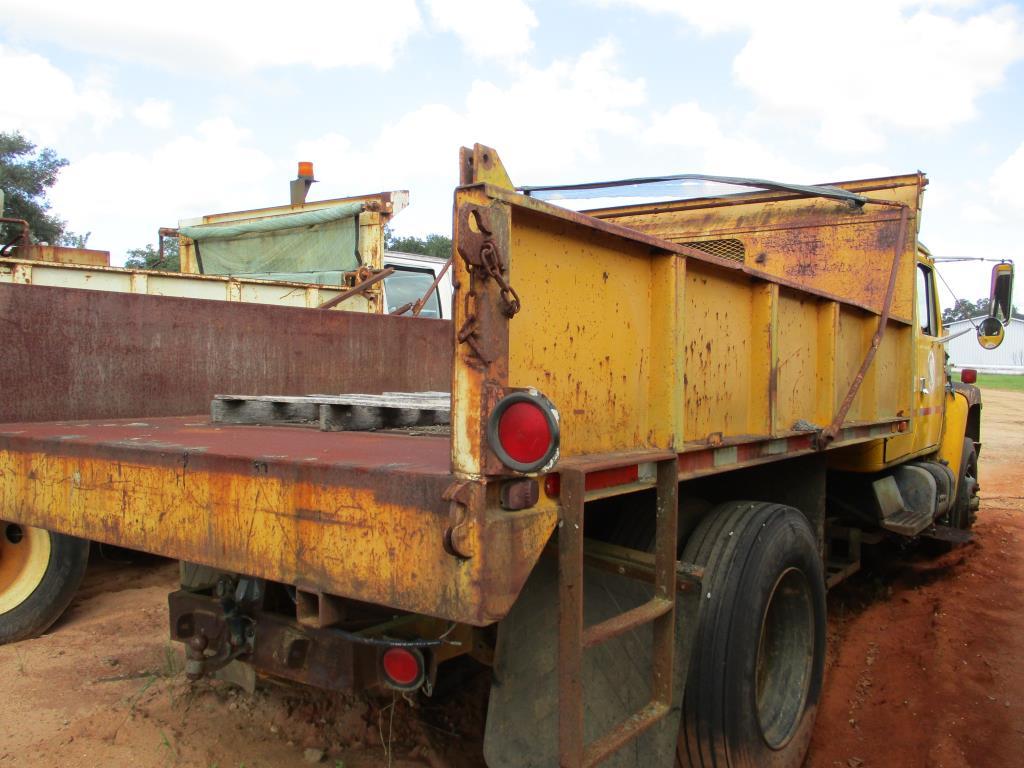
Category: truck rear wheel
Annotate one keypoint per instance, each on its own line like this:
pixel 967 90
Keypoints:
pixel 39 574
pixel 758 657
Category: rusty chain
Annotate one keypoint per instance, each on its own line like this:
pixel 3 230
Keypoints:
pixel 493 267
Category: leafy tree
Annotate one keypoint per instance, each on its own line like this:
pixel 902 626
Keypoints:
pixel 25 177
pixel 964 309
pixel 149 257
pixel 74 240
pixel 431 245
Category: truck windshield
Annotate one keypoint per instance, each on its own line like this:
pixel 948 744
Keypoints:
pixel 408 285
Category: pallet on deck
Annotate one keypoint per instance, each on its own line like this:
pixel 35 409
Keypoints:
pixel 336 413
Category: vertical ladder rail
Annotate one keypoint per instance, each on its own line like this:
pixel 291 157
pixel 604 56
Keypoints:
pixel 574 637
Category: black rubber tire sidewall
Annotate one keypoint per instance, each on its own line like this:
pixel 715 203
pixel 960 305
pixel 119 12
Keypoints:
pixel 69 557
pixel 961 517
pixel 745 547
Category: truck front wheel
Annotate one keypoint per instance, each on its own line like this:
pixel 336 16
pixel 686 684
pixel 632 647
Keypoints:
pixel 39 575
pixel 758 657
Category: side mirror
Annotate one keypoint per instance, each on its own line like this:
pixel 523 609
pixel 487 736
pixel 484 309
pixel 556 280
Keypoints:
pixel 990 333
pixel 1000 298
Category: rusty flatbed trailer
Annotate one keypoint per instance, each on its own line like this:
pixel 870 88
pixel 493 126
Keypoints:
pixel 700 430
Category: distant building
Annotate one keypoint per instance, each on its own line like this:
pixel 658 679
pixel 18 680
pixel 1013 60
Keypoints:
pixel 965 352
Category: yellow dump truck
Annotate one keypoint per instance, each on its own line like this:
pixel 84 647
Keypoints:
pixel 622 476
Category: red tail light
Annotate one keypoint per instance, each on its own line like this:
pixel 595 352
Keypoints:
pixel 523 431
pixel 403 668
pixel 968 375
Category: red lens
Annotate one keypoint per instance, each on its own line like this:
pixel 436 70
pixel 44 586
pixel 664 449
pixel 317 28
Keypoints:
pixel 968 375
pixel 524 432
pixel 401 666
pixel 553 486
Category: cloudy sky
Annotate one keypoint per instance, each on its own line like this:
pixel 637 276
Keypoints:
pixel 186 108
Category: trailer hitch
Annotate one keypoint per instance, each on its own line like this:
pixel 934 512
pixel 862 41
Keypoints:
pixel 240 636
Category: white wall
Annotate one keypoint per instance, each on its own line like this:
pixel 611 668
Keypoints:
pixel 965 352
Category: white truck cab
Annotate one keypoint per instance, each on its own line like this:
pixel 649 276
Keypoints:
pixel 414 274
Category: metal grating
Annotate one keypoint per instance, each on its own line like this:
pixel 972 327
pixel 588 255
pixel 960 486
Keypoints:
pixel 729 248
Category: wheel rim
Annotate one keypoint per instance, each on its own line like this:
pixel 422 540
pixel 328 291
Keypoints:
pixel 24 557
pixel 785 657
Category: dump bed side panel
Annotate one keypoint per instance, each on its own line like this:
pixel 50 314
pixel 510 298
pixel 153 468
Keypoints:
pixel 824 246
pixel 77 354
pixel 644 344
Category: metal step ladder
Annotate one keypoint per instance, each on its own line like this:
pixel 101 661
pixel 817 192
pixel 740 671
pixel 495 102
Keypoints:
pixel 574 637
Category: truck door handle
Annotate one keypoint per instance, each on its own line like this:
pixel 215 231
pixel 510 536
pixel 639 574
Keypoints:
pixel 924 387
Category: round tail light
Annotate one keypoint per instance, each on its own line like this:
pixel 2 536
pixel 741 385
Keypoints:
pixel 523 431
pixel 403 668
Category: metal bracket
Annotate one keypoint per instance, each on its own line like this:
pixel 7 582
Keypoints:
pixel 458 537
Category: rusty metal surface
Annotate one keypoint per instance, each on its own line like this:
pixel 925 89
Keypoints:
pixel 625 232
pixel 76 354
pixel 58 254
pixel 23 240
pixel 358 515
pixel 830 432
pixel 826 248
pixel 574 637
pixel 358 289
pixel 481 318
pixel 161 233
pixel 281 648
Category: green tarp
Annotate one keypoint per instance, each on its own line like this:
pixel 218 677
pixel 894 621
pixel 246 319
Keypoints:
pixel 294 244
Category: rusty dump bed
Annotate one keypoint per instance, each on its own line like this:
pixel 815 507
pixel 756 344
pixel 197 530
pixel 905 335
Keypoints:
pixel 660 357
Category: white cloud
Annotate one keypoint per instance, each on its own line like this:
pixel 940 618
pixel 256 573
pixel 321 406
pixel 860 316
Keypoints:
pixel 1005 184
pixel 43 101
pixel 704 145
pixel 980 214
pixel 123 197
pixel 154 113
pixel 223 36
pixel 499 29
pixel 544 123
pixel 861 70
pixel 975 219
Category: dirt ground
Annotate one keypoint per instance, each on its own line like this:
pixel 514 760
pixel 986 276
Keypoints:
pixel 925 669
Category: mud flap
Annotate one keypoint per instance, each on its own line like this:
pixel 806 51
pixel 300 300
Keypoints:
pixel 522 718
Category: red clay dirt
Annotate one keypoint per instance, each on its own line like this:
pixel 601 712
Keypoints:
pixel 926 667
pixel 925 670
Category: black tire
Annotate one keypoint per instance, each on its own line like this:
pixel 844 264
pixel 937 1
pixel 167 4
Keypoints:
pixel 758 656
pixel 965 508
pixel 34 596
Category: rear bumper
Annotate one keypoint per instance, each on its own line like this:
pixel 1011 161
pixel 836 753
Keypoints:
pixel 358 515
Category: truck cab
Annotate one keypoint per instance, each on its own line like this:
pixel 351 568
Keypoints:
pixel 417 276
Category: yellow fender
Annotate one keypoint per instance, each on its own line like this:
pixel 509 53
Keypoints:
pixel 954 430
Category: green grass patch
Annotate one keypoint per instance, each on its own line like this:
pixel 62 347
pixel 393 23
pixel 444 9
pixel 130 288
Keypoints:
pixel 1011 381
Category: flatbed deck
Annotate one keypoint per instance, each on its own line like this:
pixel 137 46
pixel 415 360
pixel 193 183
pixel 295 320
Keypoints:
pixel 358 514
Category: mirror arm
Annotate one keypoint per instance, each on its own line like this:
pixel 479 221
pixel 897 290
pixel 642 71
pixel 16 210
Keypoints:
pixel 957 335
